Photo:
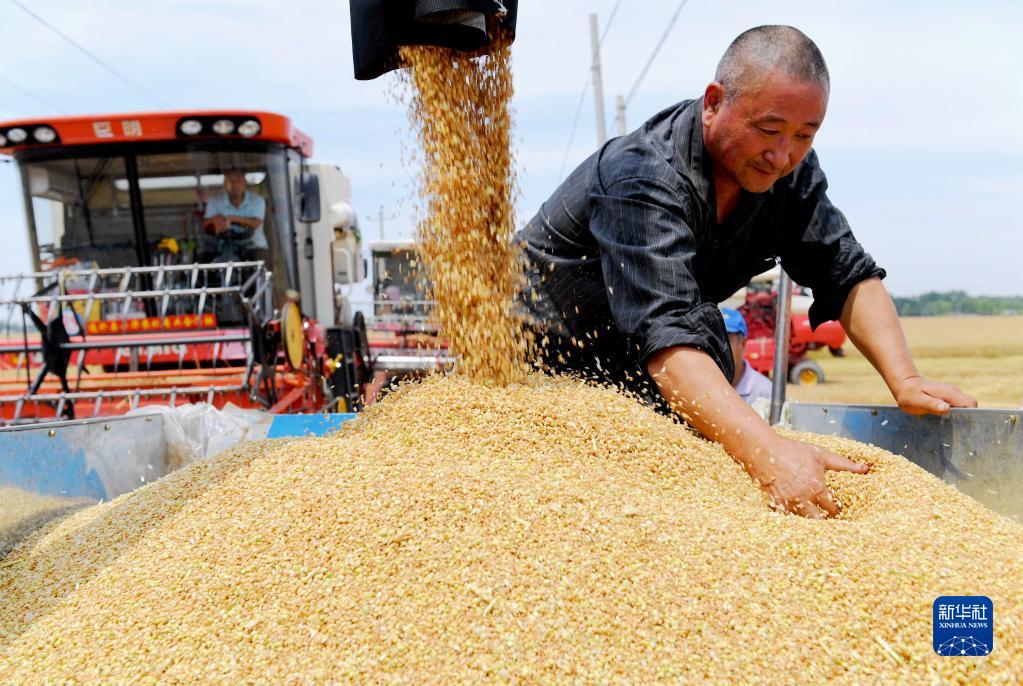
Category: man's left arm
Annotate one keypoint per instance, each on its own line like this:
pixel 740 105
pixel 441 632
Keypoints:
pixel 250 223
pixel 818 250
pixel 872 323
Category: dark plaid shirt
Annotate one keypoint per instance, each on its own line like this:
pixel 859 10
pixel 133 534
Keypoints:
pixel 627 257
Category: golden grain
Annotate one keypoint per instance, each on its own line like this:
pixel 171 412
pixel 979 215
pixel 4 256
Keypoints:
pixel 22 511
pixel 460 110
pixel 543 532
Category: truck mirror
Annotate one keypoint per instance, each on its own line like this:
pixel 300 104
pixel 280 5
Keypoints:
pixel 309 198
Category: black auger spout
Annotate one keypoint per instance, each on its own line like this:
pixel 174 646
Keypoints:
pixel 380 27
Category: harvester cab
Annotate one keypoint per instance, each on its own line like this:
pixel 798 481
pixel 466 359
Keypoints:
pixel 178 257
pixel 400 289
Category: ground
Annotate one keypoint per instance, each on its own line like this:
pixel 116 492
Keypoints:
pixel 981 355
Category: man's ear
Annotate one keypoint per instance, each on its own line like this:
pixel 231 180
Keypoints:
pixel 713 97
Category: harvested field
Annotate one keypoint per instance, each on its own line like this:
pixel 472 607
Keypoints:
pixel 965 336
pixel 542 533
pixel 981 355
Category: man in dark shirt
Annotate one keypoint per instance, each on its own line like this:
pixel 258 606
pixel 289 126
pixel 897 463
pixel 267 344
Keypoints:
pixel 627 261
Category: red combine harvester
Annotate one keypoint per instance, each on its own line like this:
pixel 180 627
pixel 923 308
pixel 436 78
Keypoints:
pixel 759 308
pixel 138 296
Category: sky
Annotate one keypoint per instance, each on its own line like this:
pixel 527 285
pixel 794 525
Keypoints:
pixel 922 143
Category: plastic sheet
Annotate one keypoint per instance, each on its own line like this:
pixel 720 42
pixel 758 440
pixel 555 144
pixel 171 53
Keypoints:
pixel 197 431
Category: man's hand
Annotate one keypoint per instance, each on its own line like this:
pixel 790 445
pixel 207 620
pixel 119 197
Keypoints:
pixel 917 395
pixel 241 227
pixel 790 471
pixel 870 319
pixel 216 224
pixel 792 474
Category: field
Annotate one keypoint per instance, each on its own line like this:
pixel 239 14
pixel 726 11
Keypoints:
pixel 981 355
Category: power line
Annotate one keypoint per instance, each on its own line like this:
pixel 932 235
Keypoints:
pixel 47 103
pixel 575 123
pixel 657 48
pixel 121 77
pixel 610 19
pixel 586 85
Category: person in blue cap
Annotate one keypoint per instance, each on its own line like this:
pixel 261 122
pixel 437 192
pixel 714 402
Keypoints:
pixel 747 381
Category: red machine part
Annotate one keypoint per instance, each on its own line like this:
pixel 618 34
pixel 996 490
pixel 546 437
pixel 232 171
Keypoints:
pixel 760 312
pixel 113 381
pixel 136 127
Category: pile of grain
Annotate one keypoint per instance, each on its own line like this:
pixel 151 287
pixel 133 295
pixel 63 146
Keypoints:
pixel 460 110
pixel 550 532
pixel 21 512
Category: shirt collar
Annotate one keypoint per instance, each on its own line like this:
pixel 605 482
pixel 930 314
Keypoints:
pixel 688 139
pixel 245 199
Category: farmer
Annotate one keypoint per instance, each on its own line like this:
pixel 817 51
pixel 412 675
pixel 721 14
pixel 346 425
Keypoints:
pixel 627 261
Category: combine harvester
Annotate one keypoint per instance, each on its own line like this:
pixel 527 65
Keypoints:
pixel 134 302
pixel 133 299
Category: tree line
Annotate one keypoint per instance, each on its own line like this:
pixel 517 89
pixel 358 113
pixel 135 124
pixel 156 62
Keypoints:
pixel 935 304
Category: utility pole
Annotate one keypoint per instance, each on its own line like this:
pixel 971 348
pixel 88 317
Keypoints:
pixel 381 217
pixel 598 84
pixel 780 372
pixel 620 114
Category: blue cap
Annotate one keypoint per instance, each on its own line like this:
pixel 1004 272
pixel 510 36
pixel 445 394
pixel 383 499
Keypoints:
pixel 734 321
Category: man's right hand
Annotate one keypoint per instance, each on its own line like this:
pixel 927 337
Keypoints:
pixel 792 474
pixel 790 471
pixel 216 224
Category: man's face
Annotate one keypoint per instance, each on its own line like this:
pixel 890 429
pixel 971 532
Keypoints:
pixel 756 138
pixel 234 185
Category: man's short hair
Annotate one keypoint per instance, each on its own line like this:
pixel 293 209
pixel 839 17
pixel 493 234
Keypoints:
pixel 763 49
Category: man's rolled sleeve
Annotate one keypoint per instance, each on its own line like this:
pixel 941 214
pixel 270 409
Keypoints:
pixel 647 249
pixel 827 258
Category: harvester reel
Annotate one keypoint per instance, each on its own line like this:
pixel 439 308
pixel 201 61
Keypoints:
pixel 55 353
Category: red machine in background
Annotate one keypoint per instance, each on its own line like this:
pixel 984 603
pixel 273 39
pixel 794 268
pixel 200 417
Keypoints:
pixel 132 300
pixel 760 312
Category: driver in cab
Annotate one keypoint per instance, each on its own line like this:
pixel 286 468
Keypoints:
pixel 235 218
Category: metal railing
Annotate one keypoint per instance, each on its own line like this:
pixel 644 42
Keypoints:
pixel 171 317
pixel 413 316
